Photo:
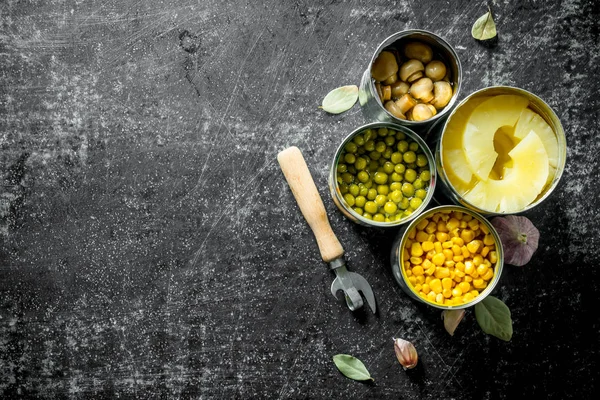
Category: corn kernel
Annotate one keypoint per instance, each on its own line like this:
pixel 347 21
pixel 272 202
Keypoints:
pixel 452 224
pixel 418 287
pixel 488 240
pixel 457 278
pixel 417 270
pixel 405 255
pixel 412 280
pixel 469 267
pixel 442 273
pixel 482 269
pixel 438 247
pixel 485 251
pixel 436 285
pixel 447 244
pixel 436 218
pixel 439 259
pixel 411 234
pixel 421 236
pixel 430 254
pixel 474 293
pixel 479 283
pixel 447 283
pixel 493 257
pixel 458 273
pixel 416 250
pixel 416 260
pixel 484 229
pixel 426 264
pixel 487 262
pixel 449 302
pixel 465 252
pixel 460 266
pixel 467 217
pixel 431 227
pixel 427 245
pixel 456 292
pixel 464 286
pixel 408 244
pixel 458 241
pixel 442 236
pixel 467 297
pixel 456 250
pixel 468 279
pixel 441 227
pixel 463 224
pixel 488 275
pixel 473 224
pixel 423 294
pixel 408 271
pixel 458 259
pixel 422 224
pixel 473 246
pixel 431 270
pixel 425 288
pixel 467 235
pixel 455 233
pixel 421 279
pixel 449 264
pixel 477 260
pixel 452 273
pixel 447 293
pixel 428 279
pixel 431 296
pixel 457 214
pixel 439 298
pixel 448 254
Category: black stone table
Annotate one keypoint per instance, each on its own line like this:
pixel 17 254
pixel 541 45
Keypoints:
pixel 150 247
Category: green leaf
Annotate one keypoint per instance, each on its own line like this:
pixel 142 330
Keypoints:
pixel 485 27
pixel 351 367
pixel 341 99
pixel 493 316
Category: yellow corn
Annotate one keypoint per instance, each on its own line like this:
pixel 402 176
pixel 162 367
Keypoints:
pixel 446 283
pixel 463 224
pixel 418 287
pixel 447 244
pixel 442 273
pixel 448 254
pixel 484 229
pixel 421 236
pixel 441 227
pixel 482 269
pixel 467 297
pixel 452 224
pixel 425 288
pixel 412 280
pixel 436 285
pixel 422 224
pixel 493 257
pixel 474 293
pixel 464 286
pixel 473 224
pixel 485 251
pixel 465 252
pixel 488 275
pixel 416 260
pixel 473 246
pixel 416 250
pixel 431 227
pixel 439 298
pixel 488 240
pixel 469 267
pixel 442 236
pixel 447 293
pixel 467 235
pixel 477 260
pixel 479 283
pixel 412 234
pixel 417 270
pixel 431 270
pixel 421 279
pixel 456 292
pixel 458 241
pixel 439 259
pixel 449 264
pixel 460 266
pixel 427 246
pixel 457 259
pixel 431 296
pixel 457 215
pixel 437 246
pixel 405 255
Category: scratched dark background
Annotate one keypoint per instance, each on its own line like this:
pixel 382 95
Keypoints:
pixel 150 247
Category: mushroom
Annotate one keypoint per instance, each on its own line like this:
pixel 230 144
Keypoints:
pixel 419 51
pixel 387 92
pixel 384 66
pixel 406 102
pixel 391 79
pixel 399 88
pixel 436 70
pixel 442 93
pixel 432 108
pixel 422 90
pixel 411 70
pixel 379 91
pixel 394 109
pixel 421 112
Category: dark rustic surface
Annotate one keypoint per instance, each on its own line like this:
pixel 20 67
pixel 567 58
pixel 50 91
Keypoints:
pixel 150 247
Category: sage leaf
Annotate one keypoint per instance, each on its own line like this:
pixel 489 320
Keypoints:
pixel 351 367
pixel 493 316
pixel 485 27
pixel 340 99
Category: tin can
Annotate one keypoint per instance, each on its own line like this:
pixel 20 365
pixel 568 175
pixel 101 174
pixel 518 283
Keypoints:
pixel 400 273
pixel 372 107
pixel 447 193
pixel 334 184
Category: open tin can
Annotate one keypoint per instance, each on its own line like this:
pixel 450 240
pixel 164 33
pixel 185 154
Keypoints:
pixel 464 283
pixel 451 190
pixel 373 107
pixel 390 142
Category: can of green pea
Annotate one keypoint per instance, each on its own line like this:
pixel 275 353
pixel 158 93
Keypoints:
pixel 449 257
pixel 417 57
pixel 382 175
pixel 502 150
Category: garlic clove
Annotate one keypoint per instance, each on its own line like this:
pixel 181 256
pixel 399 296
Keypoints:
pixel 451 319
pixel 406 353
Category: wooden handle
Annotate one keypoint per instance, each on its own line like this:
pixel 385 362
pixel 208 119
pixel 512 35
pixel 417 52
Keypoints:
pixel 307 196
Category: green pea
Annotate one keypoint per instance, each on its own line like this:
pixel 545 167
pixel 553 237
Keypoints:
pixel 358 210
pixel 363 190
pixel 342 168
pixel 421 193
pixel 422 160
pixel 389 140
pixel 349 158
pixel 368 134
pixel 396 177
pixel 380 200
pixel 361 150
pixel 380 147
pixel 370 145
pixel 359 140
pixel 353 189
pixel 400 168
pixel 395 186
pixel 375 155
pixel 402 146
pixel 390 207
pixel 352 169
pixel 413 146
pixel 360 201
pixel 388 167
pixel 379 217
pixel 372 194
pixel 391 132
pixel 396 157
pixel 368 216
pixel 349 199
pixel 383 189
pixel 343 187
pixel 411 166
pixel 351 147
pixel 383 131
pixel 409 157
pixel 395 196
pixel 360 163
pixel 380 177
pixel 400 136
pixel 408 190
pixel 418 184
pixel 373 165
pixel 415 203
pixel 410 175
pixel 425 176
pixel 371 207
pixel 404 203
pixel 363 176
pixel 369 184
pixel 407 213
pixel 387 153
